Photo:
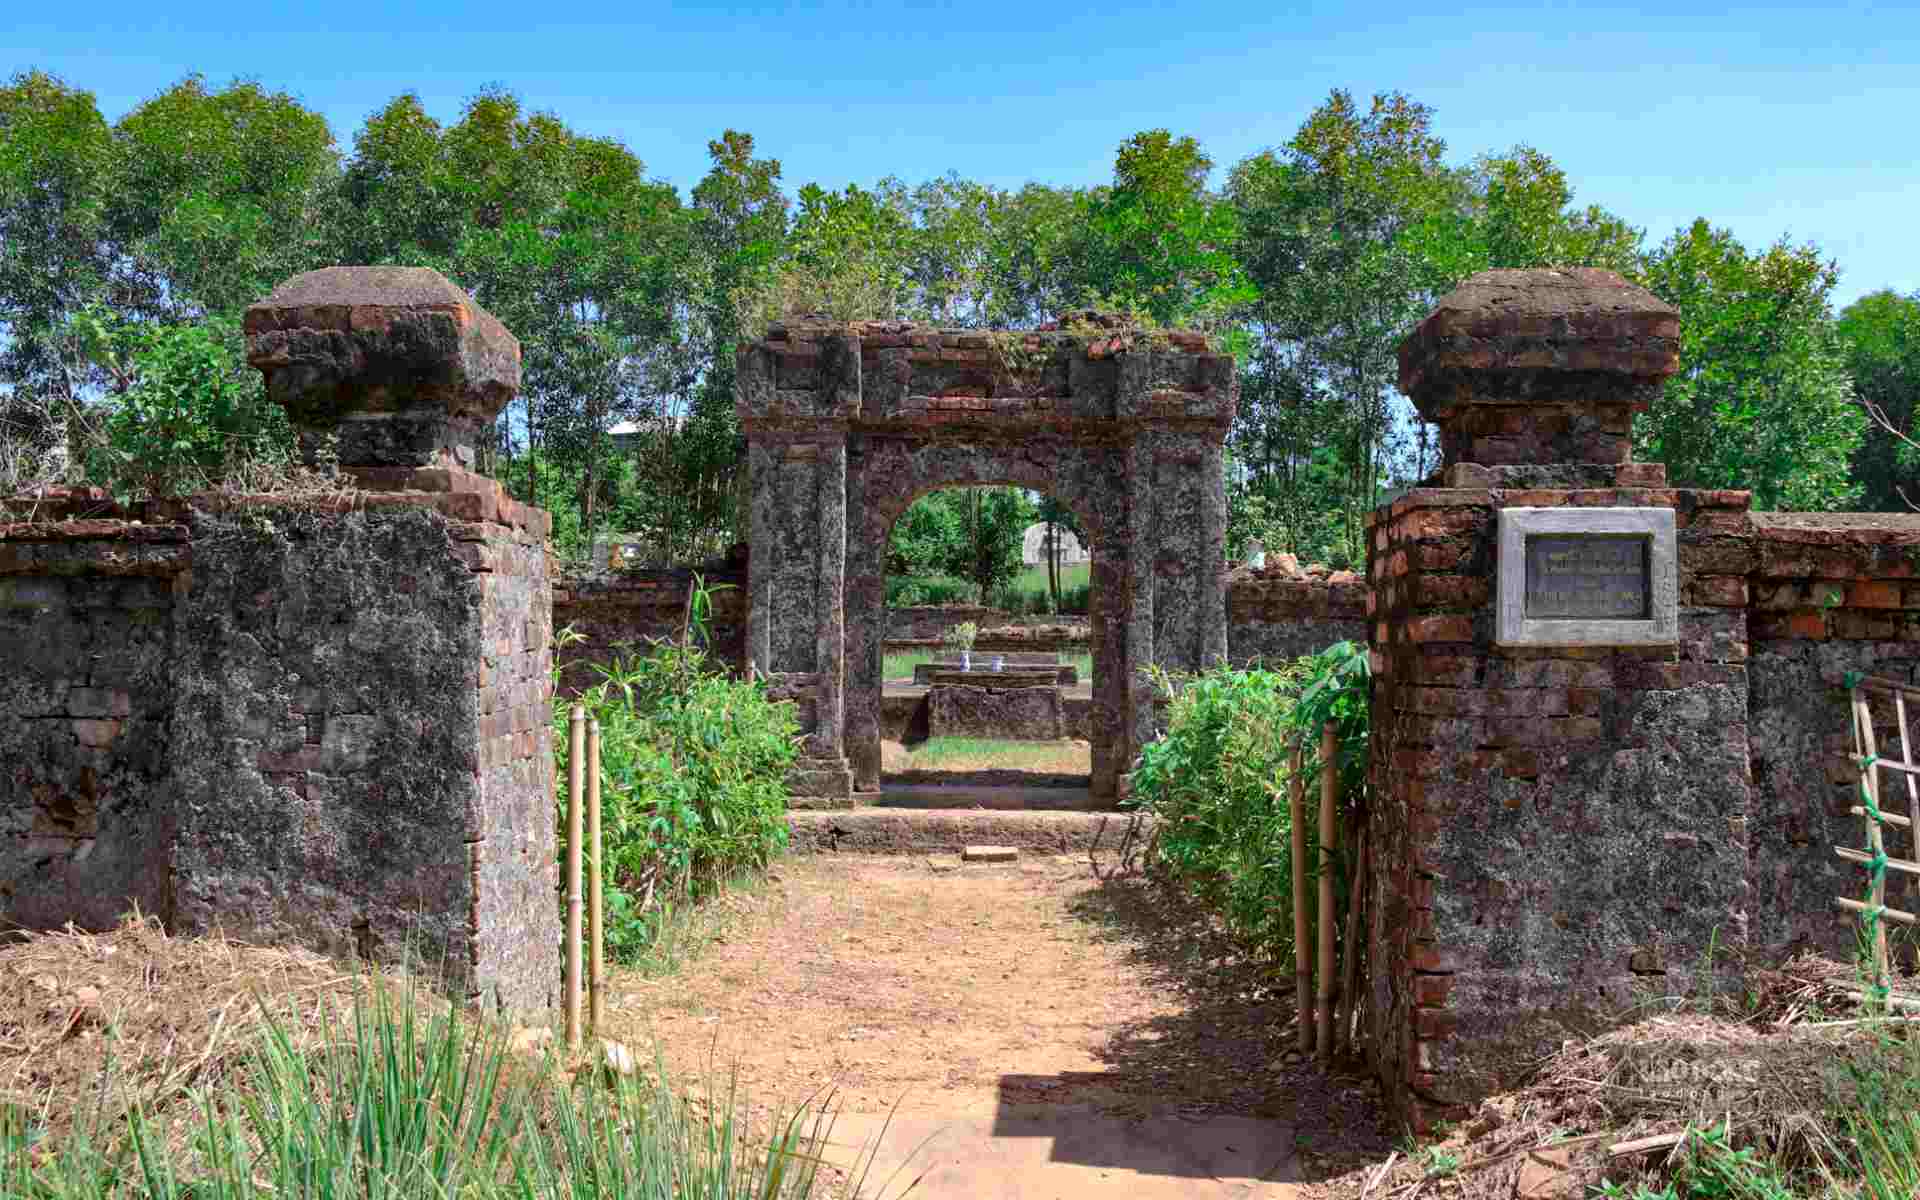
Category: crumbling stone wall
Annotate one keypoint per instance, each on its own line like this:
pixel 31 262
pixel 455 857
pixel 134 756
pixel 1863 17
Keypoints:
pixel 929 622
pixel 1282 611
pixel 633 608
pixel 364 762
pixel 1560 831
pixel 1830 593
pixel 318 719
pixel 848 423
pixel 86 639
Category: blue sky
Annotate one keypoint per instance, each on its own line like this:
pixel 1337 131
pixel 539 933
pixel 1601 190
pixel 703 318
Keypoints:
pixel 1770 121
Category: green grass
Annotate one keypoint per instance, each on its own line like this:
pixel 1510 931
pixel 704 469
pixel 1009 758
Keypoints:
pixel 1027 592
pixel 987 754
pixel 397 1106
pixel 900 665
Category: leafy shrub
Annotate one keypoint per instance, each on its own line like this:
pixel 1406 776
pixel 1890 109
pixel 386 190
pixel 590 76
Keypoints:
pixel 693 766
pixel 1218 783
pixel 186 408
pixel 908 591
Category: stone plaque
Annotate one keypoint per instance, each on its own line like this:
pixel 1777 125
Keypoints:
pixel 1587 577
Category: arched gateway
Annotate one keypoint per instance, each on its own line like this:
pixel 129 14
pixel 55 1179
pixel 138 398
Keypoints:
pixel 848 423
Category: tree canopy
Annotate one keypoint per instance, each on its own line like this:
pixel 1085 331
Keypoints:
pixel 1310 260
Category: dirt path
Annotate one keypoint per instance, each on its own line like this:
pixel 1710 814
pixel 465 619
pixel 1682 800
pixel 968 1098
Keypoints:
pixel 981 997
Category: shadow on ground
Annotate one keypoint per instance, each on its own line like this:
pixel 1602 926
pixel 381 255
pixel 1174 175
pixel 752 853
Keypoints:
pixel 1231 1051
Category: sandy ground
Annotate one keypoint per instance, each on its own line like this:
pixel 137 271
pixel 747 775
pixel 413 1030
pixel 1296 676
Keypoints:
pixel 966 993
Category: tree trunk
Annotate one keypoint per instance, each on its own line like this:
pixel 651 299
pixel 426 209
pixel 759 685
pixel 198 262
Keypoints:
pixel 1053 568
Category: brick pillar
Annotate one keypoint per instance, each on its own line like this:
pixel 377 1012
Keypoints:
pixel 361 749
pixel 1560 779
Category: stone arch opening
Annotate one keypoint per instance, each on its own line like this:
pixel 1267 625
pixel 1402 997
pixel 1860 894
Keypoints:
pixel 848 423
pixel 867 625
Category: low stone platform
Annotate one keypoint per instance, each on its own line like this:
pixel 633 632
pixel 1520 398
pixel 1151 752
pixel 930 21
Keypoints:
pixel 904 716
pixel 1065 674
pixel 1017 712
pixel 947 831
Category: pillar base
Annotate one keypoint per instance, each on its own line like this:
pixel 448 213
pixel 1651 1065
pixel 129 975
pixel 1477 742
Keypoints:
pixel 814 780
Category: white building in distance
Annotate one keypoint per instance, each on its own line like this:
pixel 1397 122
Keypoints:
pixel 1033 546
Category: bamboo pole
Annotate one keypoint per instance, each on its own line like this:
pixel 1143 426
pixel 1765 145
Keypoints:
pixel 1891 914
pixel 1891 687
pixel 1893 864
pixel 596 909
pixel 576 770
pixel 1863 724
pixel 1913 792
pixel 1329 795
pixel 1302 930
pixel 1347 1002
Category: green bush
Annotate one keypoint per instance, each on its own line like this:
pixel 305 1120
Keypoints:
pixel 186 411
pixel 1218 781
pixel 907 591
pixel 693 766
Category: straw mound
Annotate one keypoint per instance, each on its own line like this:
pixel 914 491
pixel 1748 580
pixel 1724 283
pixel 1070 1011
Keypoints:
pixel 1774 1072
pixel 93 1023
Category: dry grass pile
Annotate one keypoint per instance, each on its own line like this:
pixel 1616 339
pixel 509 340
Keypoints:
pixel 1773 1068
pixel 92 1024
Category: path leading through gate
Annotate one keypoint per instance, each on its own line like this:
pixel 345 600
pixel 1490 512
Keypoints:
pixel 1044 1032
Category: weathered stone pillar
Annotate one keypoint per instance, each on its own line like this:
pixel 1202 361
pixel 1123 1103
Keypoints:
pixel 360 746
pixel 795 405
pixel 1560 762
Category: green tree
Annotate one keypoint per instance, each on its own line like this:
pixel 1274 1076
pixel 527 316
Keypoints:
pixel 1158 240
pixel 974 533
pixel 216 196
pixel 1762 399
pixel 1030 255
pixel 1880 336
pixel 55 150
pixel 396 203
pixel 585 259
pixel 1337 237
pixel 185 408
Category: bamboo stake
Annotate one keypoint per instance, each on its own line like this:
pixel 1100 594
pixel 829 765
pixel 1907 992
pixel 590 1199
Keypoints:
pixel 1906 760
pixel 596 910
pixel 1347 1002
pixel 1893 864
pixel 1302 931
pixel 1329 794
pixel 1889 818
pixel 1891 914
pixel 576 770
pixel 1879 683
pixel 1863 722
pixel 1888 764
pixel 1913 791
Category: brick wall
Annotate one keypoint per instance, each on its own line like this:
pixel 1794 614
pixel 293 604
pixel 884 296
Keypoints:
pixel 1830 593
pixel 1564 830
pixel 1283 611
pixel 321 723
pixel 86 634
pixel 636 607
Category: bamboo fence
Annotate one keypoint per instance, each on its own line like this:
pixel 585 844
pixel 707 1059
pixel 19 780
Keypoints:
pixel 1874 912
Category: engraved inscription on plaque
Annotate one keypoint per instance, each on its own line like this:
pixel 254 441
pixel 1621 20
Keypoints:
pixel 1584 577
pixel 1577 576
